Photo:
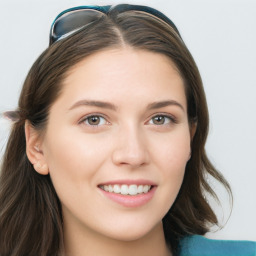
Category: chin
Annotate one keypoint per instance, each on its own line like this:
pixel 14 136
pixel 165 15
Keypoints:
pixel 134 232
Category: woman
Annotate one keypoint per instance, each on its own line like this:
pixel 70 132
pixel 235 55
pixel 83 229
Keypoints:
pixel 106 155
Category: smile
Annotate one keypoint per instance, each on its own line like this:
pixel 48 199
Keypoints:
pixel 124 189
pixel 129 193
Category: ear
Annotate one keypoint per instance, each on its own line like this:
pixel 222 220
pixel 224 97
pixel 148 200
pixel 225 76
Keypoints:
pixel 33 149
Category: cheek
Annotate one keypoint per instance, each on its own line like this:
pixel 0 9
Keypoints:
pixel 71 158
pixel 174 150
pixel 74 161
pixel 172 158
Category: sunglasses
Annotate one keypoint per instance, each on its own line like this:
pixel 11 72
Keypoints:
pixel 73 19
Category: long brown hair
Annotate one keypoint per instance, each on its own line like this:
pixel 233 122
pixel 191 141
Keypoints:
pixel 30 211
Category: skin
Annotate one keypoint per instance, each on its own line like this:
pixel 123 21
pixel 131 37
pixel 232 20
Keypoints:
pixel 127 143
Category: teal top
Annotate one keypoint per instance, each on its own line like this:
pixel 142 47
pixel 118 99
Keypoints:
pixel 200 246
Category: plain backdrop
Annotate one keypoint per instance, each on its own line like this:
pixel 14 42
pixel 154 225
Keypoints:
pixel 220 34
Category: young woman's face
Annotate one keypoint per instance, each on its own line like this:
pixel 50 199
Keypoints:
pixel 119 126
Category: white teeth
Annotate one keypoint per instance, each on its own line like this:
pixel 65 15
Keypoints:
pixel 110 188
pixel 146 188
pixel 133 190
pixel 117 189
pixel 140 189
pixel 126 189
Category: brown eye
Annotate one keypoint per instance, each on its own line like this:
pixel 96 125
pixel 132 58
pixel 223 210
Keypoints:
pixel 158 120
pixel 95 120
pixel 161 120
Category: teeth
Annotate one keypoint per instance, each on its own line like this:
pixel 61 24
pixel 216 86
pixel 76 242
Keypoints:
pixel 117 189
pixel 133 190
pixel 146 188
pixel 110 189
pixel 140 189
pixel 126 189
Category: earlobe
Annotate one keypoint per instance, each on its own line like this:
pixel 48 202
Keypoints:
pixel 34 151
pixel 41 169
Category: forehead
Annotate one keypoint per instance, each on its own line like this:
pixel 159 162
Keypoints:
pixel 126 73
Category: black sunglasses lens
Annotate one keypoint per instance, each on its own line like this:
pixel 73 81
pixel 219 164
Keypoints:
pixel 73 21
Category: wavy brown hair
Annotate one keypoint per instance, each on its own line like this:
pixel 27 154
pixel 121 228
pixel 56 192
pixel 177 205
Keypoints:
pixel 30 211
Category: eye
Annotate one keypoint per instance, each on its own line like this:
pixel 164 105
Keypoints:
pixel 161 120
pixel 94 120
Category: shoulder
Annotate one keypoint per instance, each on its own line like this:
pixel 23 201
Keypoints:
pixel 200 246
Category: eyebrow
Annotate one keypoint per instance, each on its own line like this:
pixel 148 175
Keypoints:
pixel 165 103
pixel 94 103
pixel 108 105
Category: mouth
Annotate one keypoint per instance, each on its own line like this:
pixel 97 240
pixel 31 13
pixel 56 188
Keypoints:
pixel 129 193
pixel 126 189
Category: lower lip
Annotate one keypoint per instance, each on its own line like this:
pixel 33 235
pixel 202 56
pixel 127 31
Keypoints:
pixel 131 201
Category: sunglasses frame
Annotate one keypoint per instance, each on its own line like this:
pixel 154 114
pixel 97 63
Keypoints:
pixel 55 36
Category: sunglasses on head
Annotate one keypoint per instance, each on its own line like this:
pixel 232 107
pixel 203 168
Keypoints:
pixel 73 19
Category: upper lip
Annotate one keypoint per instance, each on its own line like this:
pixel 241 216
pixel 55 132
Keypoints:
pixel 129 182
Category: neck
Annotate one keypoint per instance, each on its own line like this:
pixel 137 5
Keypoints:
pixel 84 243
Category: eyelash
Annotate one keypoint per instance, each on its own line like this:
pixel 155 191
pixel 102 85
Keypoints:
pixel 172 120
pixel 85 120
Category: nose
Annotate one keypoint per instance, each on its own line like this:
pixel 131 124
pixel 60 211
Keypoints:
pixel 130 148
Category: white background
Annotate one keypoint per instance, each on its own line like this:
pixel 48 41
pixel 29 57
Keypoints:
pixel 221 34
